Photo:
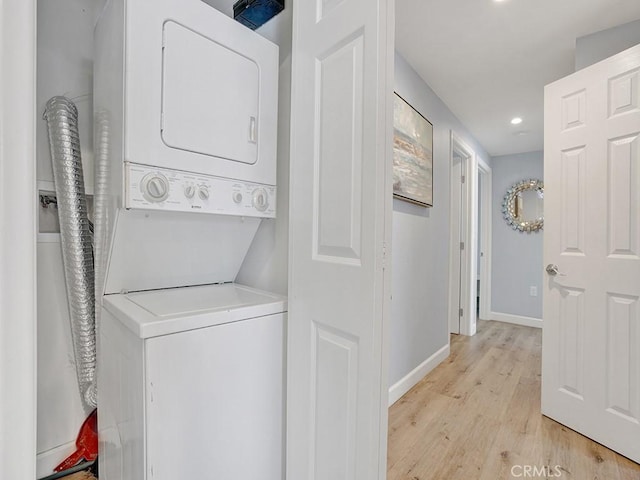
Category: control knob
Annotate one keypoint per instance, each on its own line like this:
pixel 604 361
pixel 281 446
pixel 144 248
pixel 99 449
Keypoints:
pixel 189 191
pixel 260 199
pixel 237 197
pixel 203 192
pixel 155 187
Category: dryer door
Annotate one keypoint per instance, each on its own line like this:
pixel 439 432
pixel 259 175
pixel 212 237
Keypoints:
pixel 200 91
pixel 210 97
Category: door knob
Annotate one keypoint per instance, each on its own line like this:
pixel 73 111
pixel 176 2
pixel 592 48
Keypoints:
pixel 552 269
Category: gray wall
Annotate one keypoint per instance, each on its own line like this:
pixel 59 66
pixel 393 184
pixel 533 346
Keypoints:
pixel 592 48
pixel 420 251
pixel 516 258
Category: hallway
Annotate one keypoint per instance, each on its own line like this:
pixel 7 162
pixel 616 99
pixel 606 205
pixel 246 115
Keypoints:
pixel 477 417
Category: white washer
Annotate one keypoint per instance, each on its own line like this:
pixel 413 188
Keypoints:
pixel 194 381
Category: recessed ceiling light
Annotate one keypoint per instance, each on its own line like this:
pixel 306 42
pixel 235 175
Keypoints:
pixel 516 121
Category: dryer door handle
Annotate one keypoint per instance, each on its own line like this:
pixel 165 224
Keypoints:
pixel 252 129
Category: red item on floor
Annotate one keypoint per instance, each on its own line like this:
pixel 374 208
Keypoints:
pixel 86 444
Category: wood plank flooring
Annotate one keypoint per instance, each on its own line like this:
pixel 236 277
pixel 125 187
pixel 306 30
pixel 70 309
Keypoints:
pixel 477 417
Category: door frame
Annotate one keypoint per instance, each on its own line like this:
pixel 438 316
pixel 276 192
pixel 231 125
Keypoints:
pixel 384 334
pixel 18 342
pixel 472 167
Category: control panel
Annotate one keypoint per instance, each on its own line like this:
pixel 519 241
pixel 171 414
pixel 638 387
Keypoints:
pixel 174 190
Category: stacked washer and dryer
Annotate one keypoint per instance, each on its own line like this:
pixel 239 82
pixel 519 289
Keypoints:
pixel 190 364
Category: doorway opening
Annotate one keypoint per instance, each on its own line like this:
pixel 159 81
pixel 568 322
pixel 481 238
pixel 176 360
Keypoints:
pixel 470 239
pixel 484 241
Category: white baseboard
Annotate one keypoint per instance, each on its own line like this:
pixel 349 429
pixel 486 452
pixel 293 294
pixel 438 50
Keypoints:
pixel 47 461
pixel 517 319
pixel 409 381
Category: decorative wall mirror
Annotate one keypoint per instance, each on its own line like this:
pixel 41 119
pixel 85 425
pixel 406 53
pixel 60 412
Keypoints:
pixel 523 206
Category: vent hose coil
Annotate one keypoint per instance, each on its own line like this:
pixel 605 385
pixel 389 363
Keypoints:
pixel 61 116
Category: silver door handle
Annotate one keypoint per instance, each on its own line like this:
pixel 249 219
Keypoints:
pixel 552 269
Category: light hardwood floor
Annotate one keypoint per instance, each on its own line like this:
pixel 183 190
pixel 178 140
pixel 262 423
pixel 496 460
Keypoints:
pixel 477 417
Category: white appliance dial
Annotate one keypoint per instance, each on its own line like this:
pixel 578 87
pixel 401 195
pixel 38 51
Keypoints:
pixel 237 197
pixel 189 191
pixel 203 192
pixel 260 199
pixel 155 187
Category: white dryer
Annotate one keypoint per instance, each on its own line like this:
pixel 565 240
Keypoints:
pixel 185 107
pixel 187 88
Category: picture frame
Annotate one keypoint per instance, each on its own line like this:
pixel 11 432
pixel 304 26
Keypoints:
pixel 412 154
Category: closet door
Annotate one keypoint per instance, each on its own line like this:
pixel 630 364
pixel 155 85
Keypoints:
pixel 339 235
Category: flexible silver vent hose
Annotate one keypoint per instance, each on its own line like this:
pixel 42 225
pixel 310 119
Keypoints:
pixel 75 232
pixel 101 199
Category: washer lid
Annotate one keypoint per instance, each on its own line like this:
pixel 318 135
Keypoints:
pixel 163 312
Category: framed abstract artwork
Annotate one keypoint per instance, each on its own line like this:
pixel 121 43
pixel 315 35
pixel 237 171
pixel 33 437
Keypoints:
pixel 412 154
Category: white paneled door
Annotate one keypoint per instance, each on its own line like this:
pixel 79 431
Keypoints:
pixel 340 212
pixel 591 343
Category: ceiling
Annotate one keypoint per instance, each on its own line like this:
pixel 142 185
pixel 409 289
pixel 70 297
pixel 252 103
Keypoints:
pixel 489 61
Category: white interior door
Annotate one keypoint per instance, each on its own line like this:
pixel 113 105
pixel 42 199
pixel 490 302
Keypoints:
pixel 591 343
pixel 340 213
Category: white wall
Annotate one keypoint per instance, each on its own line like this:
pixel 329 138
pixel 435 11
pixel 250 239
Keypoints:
pixel 592 48
pixel 516 262
pixel 65 67
pixel 17 242
pixel 265 266
pixel 420 251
